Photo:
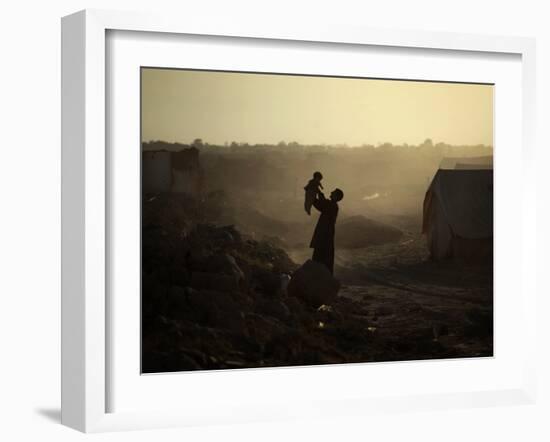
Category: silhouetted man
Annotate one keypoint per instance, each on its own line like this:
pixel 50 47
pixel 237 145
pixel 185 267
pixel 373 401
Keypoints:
pixel 322 242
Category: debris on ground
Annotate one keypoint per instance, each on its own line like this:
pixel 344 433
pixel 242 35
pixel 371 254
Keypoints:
pixel 215 297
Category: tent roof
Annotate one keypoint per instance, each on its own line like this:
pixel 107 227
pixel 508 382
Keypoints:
pixel 466 199
pixel 485 162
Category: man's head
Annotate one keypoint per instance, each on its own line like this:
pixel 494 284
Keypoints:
pixel 318 176
pixel 336 195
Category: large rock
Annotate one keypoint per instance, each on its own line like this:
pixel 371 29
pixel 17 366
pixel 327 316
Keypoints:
pixel 314 284
pixel 357 231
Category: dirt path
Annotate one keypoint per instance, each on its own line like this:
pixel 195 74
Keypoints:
pixel 410 299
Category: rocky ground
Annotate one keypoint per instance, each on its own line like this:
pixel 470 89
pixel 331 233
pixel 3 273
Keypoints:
pixel 410 297
pixel 214 298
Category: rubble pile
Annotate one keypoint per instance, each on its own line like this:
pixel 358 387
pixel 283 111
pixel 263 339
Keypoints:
pixel 213 299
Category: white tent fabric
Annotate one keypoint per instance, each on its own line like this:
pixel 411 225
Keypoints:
pixel 458 204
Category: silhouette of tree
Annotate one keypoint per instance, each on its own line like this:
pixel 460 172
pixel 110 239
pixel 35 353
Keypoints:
pixel 197 143
pixel 428 143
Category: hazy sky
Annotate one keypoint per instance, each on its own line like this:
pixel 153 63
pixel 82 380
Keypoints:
pixel 179 105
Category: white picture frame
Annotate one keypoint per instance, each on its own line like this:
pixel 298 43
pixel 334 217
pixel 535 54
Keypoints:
pixel 86 203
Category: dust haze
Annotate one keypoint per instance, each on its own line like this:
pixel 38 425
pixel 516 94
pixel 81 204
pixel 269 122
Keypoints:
pixel 261 186
pixel 225 158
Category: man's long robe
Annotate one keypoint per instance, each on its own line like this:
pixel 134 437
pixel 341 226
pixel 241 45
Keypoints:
pixel 322 241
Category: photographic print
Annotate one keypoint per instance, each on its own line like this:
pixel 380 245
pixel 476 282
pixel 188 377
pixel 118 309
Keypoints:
pixel 296 220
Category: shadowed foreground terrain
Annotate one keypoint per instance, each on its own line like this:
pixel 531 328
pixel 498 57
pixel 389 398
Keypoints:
pixel 218 296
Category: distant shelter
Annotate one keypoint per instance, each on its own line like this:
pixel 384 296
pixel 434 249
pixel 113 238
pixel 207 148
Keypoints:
pixel 176 172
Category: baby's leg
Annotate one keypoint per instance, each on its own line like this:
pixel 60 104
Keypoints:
pixel 309 202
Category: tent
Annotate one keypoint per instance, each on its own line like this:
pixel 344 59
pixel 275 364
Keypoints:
pixel 458 215
pixel 172 171
pixel 485 162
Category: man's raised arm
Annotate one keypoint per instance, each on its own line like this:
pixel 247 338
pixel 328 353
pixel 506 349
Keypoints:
pixel 320 202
